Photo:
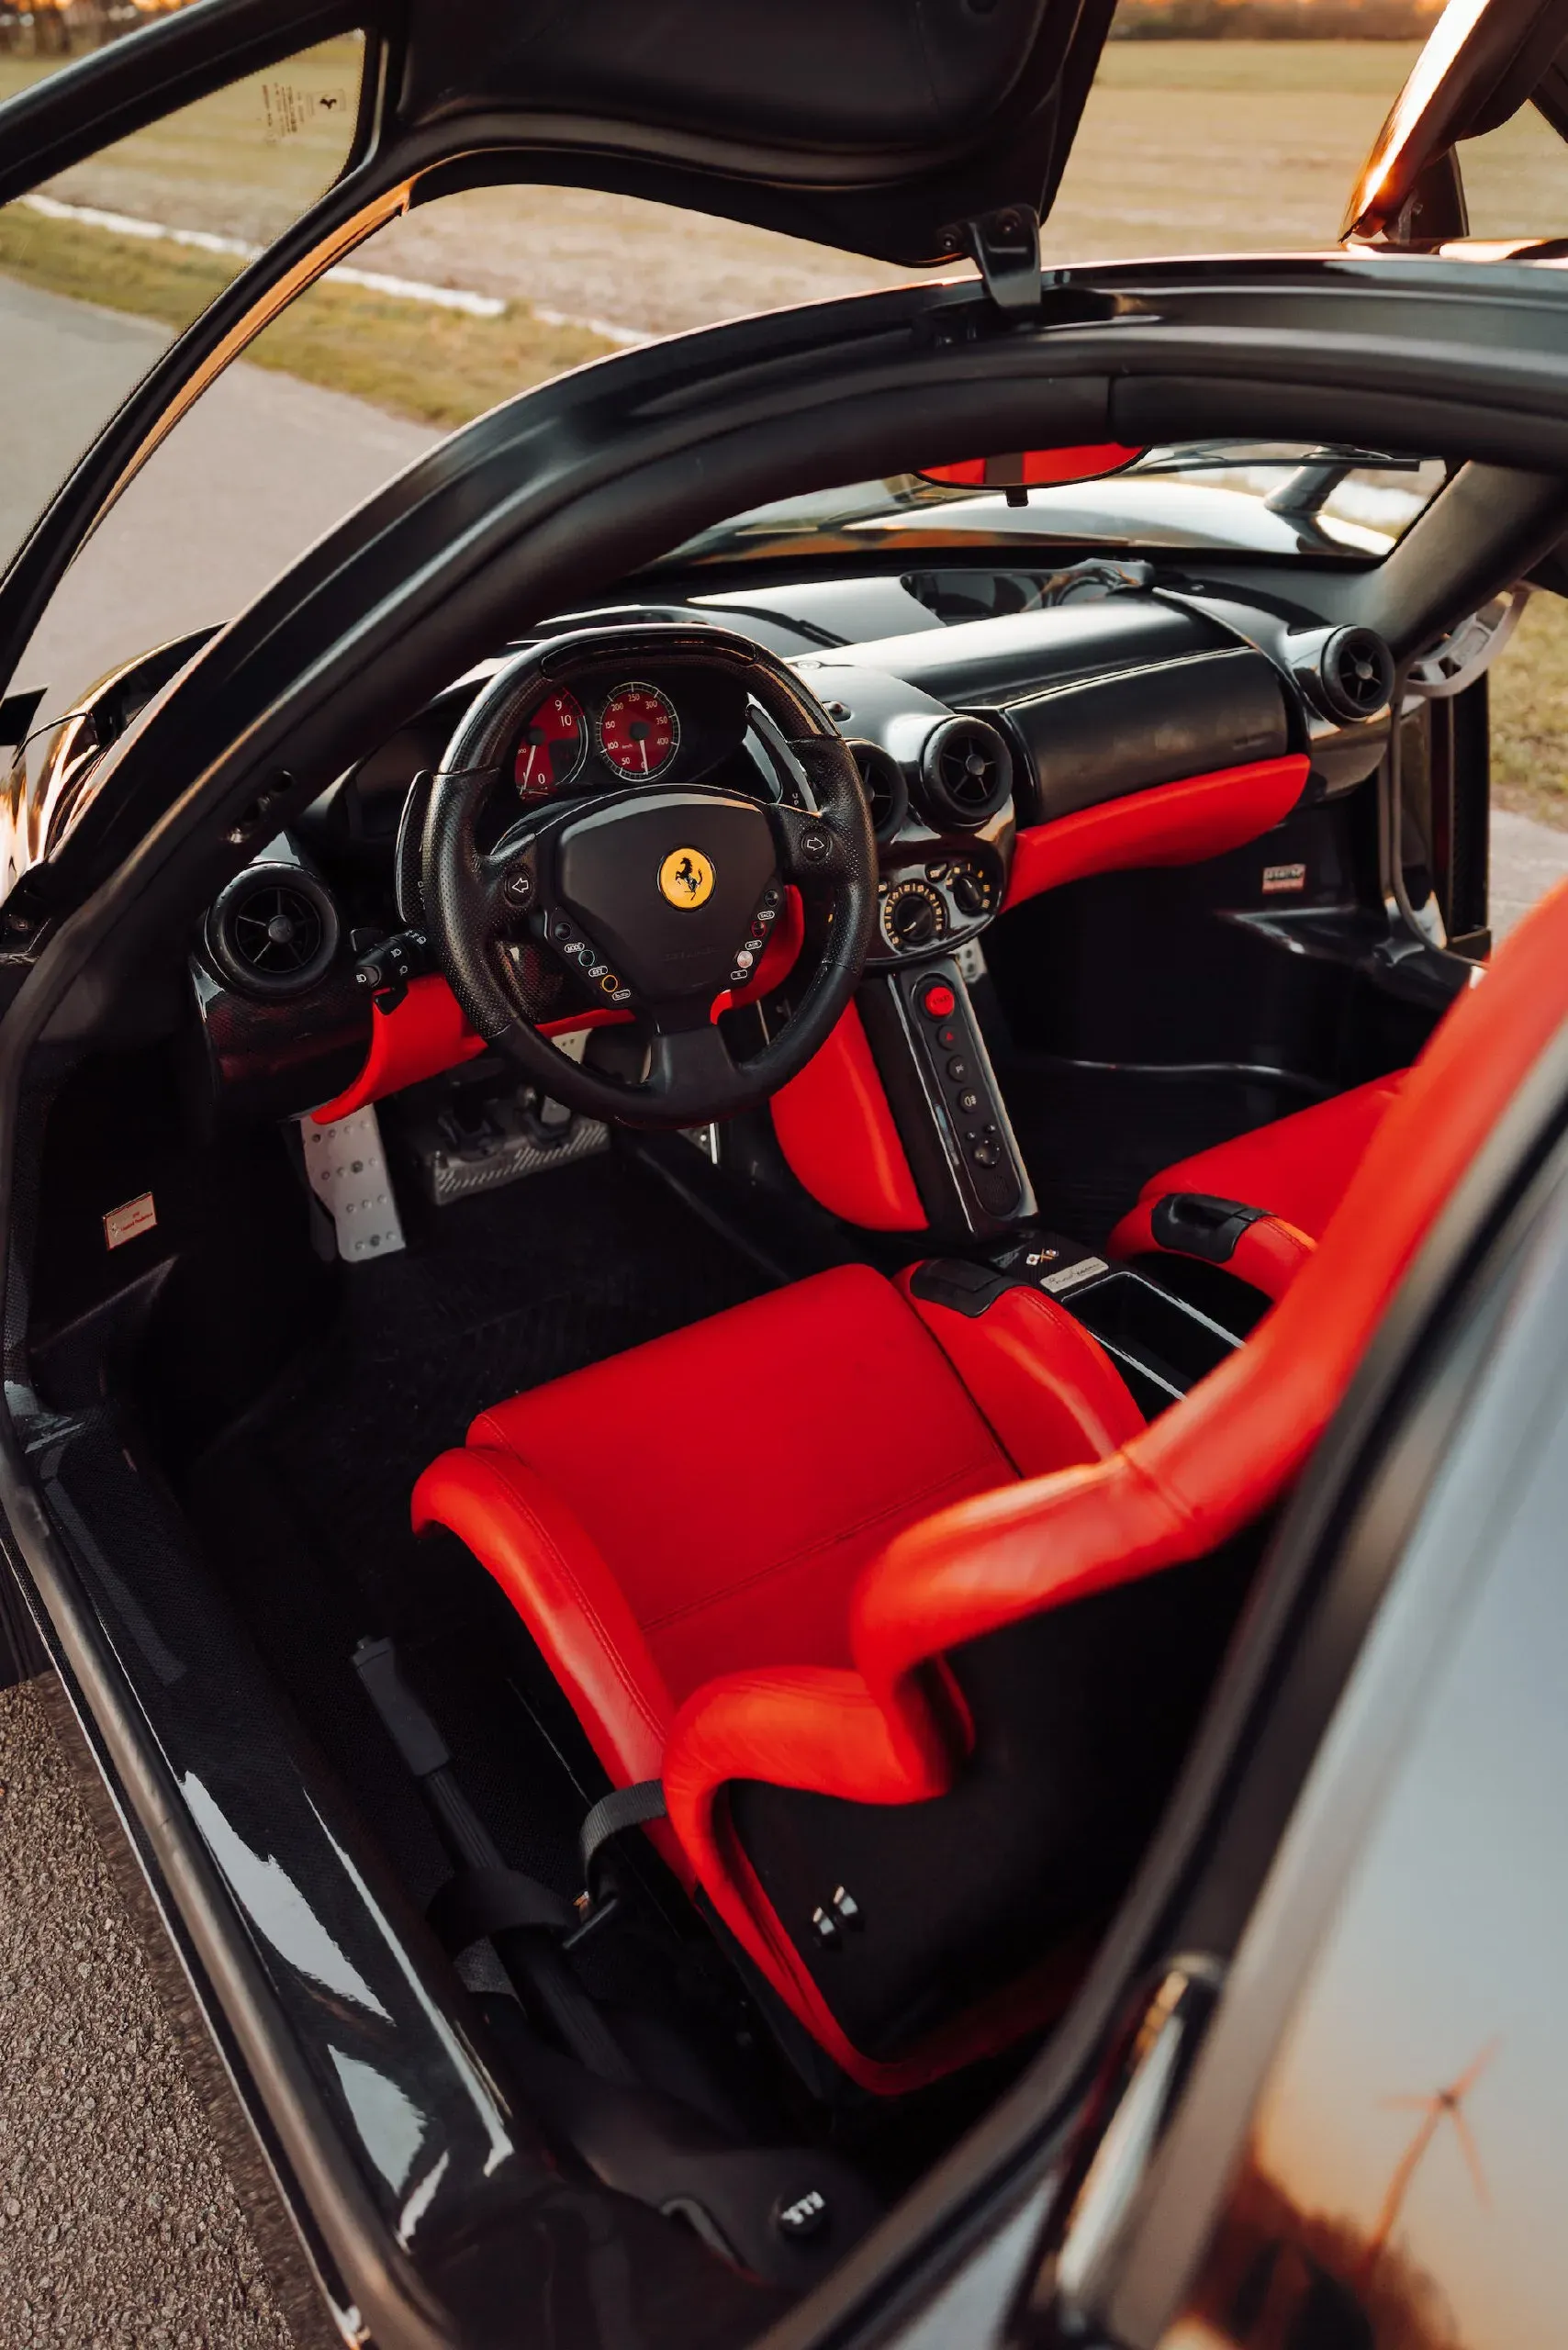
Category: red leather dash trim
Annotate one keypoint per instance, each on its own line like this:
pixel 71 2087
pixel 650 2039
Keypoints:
pixel 1174 824
pixel 835 1127
pixel 427 1032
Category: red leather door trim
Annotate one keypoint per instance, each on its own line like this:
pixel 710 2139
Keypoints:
pixel 835 1127
pixel 1174 824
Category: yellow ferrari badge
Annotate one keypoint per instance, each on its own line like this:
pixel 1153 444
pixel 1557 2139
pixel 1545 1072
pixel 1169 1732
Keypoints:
pixel 685 878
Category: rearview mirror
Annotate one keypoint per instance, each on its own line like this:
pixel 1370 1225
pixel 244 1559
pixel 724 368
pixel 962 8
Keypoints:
pixel 1034 468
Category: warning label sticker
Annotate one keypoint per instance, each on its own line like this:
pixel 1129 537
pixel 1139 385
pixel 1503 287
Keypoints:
pixel 1283 877
pixel 130 1222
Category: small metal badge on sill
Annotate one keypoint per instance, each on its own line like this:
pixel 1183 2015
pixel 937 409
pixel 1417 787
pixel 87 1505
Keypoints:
pixel 1088 1269
pixel 1282 876
pixel 129 1223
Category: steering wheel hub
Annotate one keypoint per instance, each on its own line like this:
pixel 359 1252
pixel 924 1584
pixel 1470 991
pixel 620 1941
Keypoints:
pixel 665 884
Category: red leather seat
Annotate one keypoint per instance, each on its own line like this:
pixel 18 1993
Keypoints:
pixel 1294 1170
pixel 705 1503
pixel 938 1703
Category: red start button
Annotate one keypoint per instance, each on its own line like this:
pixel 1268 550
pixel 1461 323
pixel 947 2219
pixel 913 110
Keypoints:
pixel 938 1001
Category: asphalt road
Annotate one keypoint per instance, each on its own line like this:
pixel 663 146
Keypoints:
pixel 118 2222
pixel 258 470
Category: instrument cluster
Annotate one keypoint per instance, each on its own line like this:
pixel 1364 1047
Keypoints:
pixel 600 730
pixel 635 732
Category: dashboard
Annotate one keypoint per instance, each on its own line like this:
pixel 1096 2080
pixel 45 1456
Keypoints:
pixel 986 714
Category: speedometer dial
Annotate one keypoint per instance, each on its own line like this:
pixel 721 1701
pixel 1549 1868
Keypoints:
pixel 552 748
pixel 639 732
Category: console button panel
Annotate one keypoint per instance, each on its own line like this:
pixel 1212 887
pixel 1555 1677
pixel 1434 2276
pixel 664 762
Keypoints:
pixel 951 1118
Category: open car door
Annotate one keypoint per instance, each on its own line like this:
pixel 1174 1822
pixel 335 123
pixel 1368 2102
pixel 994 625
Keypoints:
pixel 1483 62
pixel 914 137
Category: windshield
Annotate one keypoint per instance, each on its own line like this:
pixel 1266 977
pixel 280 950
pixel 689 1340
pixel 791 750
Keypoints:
pixel 1257 498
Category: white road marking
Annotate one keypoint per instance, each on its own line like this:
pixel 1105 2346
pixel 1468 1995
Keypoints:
pixel 373 281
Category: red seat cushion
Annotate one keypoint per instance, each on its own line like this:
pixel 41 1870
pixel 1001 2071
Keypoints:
pixel 740 1473
pixel 705 1503
pixel 1297 1169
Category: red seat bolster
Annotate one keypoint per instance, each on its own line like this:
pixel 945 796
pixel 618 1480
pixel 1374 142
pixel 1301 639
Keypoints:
pixel 1297 1167
pixel 1268 1255
pixel 1049 1390
pixel 519 1528
pixel 822 1731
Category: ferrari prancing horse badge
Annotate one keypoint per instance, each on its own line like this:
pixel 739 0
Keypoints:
pixel 685 878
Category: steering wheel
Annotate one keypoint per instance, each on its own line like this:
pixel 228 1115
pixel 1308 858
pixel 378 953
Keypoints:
pixel 651 893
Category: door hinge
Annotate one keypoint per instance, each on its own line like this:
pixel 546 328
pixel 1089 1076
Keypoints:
pixel 1006 248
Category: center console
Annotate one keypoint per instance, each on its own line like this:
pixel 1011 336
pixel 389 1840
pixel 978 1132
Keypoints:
pixel 1159 1343
pixel 947 1105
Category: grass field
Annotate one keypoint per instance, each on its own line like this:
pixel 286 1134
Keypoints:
pixel 442 368
pixel 1529 715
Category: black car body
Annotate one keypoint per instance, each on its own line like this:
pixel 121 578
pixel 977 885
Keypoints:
pixel 1156 2160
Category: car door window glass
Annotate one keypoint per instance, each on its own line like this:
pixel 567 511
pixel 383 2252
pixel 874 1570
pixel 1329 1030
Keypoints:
pixel 1401 2188
pixel 103 266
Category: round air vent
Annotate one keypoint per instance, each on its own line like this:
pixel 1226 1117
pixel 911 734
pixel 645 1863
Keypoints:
pixel 1355 673
pixel 274 931
pixel 966 773
pixel 887 793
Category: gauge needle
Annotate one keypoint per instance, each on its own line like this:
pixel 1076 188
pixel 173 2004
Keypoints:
pixel 643 746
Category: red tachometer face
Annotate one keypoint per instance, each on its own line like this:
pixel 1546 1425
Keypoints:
pixel 553 746
pixel 639 732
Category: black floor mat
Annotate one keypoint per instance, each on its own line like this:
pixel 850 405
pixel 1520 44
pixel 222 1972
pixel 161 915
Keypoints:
pixel 1092 1138
pixel 305 1506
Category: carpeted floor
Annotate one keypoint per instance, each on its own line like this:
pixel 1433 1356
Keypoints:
pixel 303 1509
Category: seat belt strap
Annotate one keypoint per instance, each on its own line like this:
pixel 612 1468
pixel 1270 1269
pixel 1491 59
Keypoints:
pixel 623 1808
pixel 478 1902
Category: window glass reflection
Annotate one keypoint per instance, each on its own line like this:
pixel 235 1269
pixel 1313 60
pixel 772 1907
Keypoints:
pixel 1402 2186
